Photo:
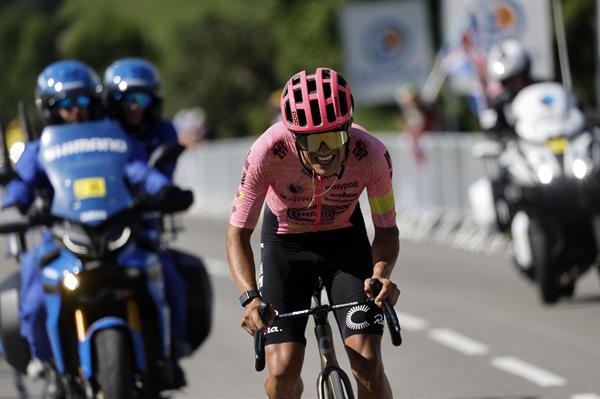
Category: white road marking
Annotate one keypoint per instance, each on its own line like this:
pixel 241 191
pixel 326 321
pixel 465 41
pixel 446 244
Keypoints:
pixel 530 372
pixel 216 267
pixel 412 323
pixel 458 342
pixel 585 396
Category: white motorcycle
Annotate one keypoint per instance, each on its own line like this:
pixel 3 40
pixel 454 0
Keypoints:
pixel 543 187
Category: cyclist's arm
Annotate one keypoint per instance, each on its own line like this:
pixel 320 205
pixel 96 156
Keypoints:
pixel 386 245
pixel 385 248
pixel 241 258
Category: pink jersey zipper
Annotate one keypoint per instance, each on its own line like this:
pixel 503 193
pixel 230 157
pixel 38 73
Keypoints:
pixel 318 211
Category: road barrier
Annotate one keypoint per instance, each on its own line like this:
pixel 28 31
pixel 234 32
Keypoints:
pixel 431 198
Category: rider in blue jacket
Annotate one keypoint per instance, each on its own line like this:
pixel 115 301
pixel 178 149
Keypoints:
pixel 66 92
pixel 133 96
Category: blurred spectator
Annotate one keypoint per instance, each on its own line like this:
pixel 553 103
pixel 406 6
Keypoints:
pixel 191 126
pixel 273 106
pixel 418 117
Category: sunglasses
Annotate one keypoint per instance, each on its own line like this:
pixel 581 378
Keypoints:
pixel 70 102
pixel 143 100
pixel 312 142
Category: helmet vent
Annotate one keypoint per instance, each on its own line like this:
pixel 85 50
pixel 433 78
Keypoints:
pixel 301 117
pixel 327 90
pixel 342 81
pixel 288 112
pixel 315 112
pixel 296 80
pixel 326 74
pixel 298 95
pixel 343 103
pixel 312 85
pixel 330 112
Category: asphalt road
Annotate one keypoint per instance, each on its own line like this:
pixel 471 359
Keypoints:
pixel 472 329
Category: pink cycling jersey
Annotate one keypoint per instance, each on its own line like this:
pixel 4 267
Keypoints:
pixel 303 202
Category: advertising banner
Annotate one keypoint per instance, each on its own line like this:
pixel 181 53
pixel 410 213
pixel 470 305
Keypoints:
pixel 386 45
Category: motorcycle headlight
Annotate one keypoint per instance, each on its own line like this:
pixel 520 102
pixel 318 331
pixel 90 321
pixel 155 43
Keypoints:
pixel 70 281
pixel 545 174
pixel 580 168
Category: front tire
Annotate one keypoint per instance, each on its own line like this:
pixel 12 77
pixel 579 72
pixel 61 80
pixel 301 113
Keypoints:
pixel 114 364
pixel 545 267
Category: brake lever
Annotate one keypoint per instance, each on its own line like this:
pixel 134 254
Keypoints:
pixel 259 339
pixel 391 317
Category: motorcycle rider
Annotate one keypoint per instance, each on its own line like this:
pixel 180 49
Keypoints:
pixel 67 91
pixel 133 96
pixel 509 64
pixel 311 168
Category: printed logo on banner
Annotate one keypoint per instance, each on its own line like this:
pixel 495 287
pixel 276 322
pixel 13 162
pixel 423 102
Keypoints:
pixel 386 40
pixel 504 19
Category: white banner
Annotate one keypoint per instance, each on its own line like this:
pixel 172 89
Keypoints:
pixel 528 21
pixel 386 45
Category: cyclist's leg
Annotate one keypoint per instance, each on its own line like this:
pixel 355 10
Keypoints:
pixel 284 364
pixel 360 326
pixel 286 280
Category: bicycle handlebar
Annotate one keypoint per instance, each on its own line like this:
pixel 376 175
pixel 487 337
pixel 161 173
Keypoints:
pixel 391 317
pixel 263 310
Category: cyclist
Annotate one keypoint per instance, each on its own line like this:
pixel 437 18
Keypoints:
pixel 508 64
pixel 66 92
pixel 311 168
pixel 133 96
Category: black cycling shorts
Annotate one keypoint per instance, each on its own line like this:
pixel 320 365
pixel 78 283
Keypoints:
pixel 291 264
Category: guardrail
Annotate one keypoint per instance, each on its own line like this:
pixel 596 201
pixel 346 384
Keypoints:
pixel 431 199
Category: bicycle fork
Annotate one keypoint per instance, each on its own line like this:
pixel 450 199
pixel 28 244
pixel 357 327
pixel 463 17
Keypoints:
pixel 330 369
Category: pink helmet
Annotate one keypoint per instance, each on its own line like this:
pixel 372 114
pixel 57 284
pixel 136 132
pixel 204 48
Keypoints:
pixel 316 103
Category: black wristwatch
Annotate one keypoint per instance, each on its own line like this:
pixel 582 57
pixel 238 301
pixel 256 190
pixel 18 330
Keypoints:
pixel 247 296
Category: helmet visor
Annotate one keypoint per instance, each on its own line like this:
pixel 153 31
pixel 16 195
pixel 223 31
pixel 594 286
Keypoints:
pixel 70 102
pixel 143 100
pixel 312 142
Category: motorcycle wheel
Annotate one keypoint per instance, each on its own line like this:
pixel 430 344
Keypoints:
pixel 114 368
pixel 545 270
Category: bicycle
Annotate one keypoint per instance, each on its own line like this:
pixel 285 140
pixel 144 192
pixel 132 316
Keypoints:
pixel 331 379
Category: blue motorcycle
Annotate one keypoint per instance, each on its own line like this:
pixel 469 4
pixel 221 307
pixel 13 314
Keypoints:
pixel 107 316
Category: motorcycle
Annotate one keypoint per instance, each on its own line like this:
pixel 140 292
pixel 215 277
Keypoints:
pixel 107 316
pixel 542 188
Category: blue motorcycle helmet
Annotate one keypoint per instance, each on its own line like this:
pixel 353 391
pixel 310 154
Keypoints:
pixel 133 80
pixel 64 84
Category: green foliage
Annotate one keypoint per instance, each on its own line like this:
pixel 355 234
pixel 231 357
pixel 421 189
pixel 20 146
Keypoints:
pixel 227 56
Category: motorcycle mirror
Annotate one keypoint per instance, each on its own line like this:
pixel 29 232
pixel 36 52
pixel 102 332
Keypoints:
pixel 165 153
pixel 6 170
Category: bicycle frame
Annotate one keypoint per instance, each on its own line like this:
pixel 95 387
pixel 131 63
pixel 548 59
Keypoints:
pixel 329 363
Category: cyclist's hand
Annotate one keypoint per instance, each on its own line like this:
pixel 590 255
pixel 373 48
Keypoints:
pixel 389 291
pixel 251 321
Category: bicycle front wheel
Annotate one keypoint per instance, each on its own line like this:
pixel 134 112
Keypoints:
pixel 336 386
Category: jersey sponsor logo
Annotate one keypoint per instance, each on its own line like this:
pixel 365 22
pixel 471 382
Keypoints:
pixel 356 317
pixel 243 181
pixel 295 188
pixel 274 329
pixel 83 146
pixel 345 186
pixel 328 213
pixel 360 150
pixel 280 149
pixel 388 159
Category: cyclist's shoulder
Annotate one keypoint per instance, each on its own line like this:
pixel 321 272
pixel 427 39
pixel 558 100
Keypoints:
pixel 364 145
pixel 275 144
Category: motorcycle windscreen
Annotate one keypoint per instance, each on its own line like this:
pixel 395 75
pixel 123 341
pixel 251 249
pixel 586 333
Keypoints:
pixel 85 164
